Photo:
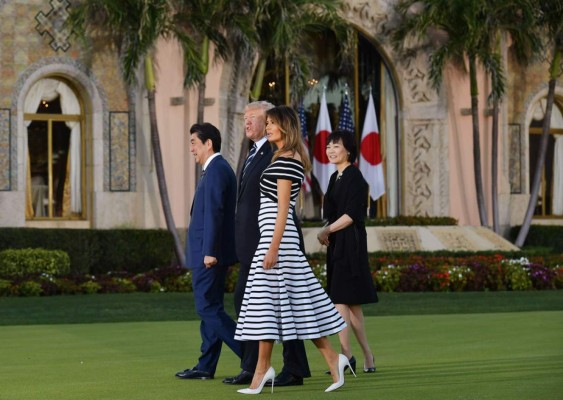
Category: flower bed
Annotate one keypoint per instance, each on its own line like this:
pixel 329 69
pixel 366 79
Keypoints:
pixel 391 273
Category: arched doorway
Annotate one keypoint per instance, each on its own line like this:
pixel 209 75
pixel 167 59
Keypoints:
pixel 54 151
pixel 368 74
pixel 550 198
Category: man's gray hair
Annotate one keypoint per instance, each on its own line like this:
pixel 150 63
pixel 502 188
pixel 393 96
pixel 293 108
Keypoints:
pixel 261 104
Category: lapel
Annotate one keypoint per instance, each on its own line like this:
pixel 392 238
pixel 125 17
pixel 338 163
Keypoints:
pixel 202 182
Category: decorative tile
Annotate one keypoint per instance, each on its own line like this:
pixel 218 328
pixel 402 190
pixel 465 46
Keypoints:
pixel 454 239
pixel 119 146
pixel 52 24
pixel 515 158
pixel 399 240
pixel 5 167
pixel 499 243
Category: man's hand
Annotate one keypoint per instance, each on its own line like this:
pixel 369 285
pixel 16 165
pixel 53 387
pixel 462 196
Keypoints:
pixel 209 261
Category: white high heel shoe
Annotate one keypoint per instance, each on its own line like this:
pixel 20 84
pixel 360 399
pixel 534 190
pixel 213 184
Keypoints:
pixel 270 374
pixel 343 362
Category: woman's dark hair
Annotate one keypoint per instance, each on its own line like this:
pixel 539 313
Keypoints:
pixel 288 121
pixel 348 140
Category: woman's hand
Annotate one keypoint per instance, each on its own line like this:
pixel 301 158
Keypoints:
pixel 270 259
pixel 322 236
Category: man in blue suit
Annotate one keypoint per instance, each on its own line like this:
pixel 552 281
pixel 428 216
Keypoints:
pixel 295 365
pixel 210 248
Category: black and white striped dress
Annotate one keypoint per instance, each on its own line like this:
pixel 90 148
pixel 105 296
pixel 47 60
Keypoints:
pixel 286 302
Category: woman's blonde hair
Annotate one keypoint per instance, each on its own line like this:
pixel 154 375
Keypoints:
pixel 288 121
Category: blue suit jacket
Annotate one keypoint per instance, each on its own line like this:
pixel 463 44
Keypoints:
pixel 212 227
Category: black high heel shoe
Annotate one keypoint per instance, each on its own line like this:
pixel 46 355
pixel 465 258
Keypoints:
pixel 352 362
pixel 370 370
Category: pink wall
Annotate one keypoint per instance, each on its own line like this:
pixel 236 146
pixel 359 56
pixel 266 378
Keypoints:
pixel 463 201
pixel 174 136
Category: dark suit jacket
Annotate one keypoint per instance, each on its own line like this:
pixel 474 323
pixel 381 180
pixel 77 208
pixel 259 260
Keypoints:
pixel 247 233
pixel 212 230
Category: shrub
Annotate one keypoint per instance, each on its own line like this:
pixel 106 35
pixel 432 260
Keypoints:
pixel 517 278
pixel 26 262
pixel 459 277
pixel 67 286
pixel 414 278
pixel 90 287
pixel 180 283
pixel 542 277
pixel 547 236
pixel 320 272
pixel 232 278
pixel 98 250
pixel 5 287
pixel 387 278
pixel 29 288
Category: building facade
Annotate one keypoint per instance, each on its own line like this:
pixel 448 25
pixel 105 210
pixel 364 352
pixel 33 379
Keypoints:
pixel 75 146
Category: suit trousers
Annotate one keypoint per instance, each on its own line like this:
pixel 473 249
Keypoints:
pixel 294 355
pixel 216 326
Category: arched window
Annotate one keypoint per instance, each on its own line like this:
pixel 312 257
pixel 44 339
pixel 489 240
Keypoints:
pixel 550 198
pixel 54 151
pixel 368 75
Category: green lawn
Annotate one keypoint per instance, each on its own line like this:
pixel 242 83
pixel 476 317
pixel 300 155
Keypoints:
pixel 419 354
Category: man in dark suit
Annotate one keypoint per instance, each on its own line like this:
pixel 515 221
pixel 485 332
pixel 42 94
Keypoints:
pixel 210 248
pixel 247 235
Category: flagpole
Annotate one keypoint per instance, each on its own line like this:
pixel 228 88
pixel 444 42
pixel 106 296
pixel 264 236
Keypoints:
pixel 369 203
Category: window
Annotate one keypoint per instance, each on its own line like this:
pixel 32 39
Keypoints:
pixel 550 197
pixel 54 152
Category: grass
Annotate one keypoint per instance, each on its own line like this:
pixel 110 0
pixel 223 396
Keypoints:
pixel 435 347
pixel 139 307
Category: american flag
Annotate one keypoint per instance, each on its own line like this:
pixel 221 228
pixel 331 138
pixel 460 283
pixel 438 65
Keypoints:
pixel 303 122
pixel 345 123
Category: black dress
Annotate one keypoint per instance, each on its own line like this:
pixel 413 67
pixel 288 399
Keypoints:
pixel 349 279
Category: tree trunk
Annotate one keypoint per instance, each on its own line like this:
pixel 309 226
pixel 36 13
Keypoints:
pixel 159 166
pixel 477 143
pixel 201 101
pixel 494 167
pixel 258 80
pixel 535 187
pixel 554 71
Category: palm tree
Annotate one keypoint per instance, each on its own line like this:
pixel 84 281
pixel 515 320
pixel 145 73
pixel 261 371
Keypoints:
pixel 467 34
pixel 445 28
pixel 283 31
pixel 502 18
pixel 550 15
pixel 226 24
pixel 132 28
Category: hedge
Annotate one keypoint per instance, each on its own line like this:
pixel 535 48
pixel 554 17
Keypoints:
pixel 549 236
pixel 97 251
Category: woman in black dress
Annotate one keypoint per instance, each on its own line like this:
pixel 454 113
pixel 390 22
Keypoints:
pixel 349 281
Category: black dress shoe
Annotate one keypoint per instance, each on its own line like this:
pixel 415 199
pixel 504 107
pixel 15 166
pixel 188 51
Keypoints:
pixel 193 374
pixel 244 378
pixel 287 379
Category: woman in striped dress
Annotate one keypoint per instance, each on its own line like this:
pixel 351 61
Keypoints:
pixel 283 299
